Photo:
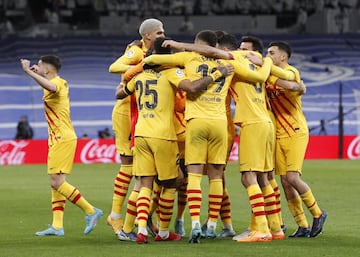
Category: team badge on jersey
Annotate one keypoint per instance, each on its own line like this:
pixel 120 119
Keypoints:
pixel 180 73
pixel 129 54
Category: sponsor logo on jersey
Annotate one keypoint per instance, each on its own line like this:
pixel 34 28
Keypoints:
pixel 180 73
pixel 129 54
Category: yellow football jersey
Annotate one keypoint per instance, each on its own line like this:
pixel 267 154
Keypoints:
pixel 287 108
pixel 209 103
pixel 155 96
pixel 57 112
pixel 248 90
pixel 132 56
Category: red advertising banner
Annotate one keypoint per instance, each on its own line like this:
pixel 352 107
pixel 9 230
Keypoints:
pixel 16 152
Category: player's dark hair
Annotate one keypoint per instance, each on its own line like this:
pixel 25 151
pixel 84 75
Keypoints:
pixel 256 43
pixel 283 46
pixel 219 33
pixel 229 41
pixel 52 60
pixel 158 46
pixel 207 36
pixel 157 49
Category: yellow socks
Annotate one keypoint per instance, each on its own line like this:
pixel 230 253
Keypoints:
pixel 73 194
pixel 121 186
pixel 297 211
pixel 131 212
pixel 311 203
pixel 58 202
pixel 258 207
pixel 271 208
pixel 166 205
pixel 194 195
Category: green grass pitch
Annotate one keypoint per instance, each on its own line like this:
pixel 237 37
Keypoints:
pixel 25 208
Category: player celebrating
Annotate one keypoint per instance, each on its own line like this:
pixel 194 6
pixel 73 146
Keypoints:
pixel 150 29
pixel 292 135
pixel 62 144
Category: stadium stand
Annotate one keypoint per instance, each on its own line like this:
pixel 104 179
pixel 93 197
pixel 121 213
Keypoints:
pixel 325 63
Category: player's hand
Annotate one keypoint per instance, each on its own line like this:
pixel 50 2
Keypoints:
pixel 254 59
pixel 225 70
pixel 172 44
pixel 25 64
pixel 303 86
pixel 34 68
pixel 118 89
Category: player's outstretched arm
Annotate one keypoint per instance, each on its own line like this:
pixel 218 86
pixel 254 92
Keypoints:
pixel 205 50
pixel 247 74
pixel 282 74
pixel 164 59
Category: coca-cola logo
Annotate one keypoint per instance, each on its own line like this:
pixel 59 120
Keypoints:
pixel 11 152
pixel 353 150
pixel 96 152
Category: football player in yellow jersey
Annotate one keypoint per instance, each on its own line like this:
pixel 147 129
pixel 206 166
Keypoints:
pixel 206 131
pixel 150 29
pixel 180 125
pixel 251 43
pixel 256 137
pixel 155 138
pixel 62 144
pixel 292 137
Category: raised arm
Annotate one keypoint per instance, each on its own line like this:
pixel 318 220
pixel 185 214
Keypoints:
pixel 41 80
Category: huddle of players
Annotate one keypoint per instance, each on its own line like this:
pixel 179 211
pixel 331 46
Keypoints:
pixel 193 89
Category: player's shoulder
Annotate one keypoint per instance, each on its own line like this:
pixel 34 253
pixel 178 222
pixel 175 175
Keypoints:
pixel 133 52
pixel 291 68
pixel 174 72
pixel 59 81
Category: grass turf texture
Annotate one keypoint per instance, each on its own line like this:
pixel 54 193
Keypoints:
pixel 25 208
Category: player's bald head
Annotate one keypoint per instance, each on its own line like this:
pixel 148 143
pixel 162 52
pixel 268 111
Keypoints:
pixel 149 25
